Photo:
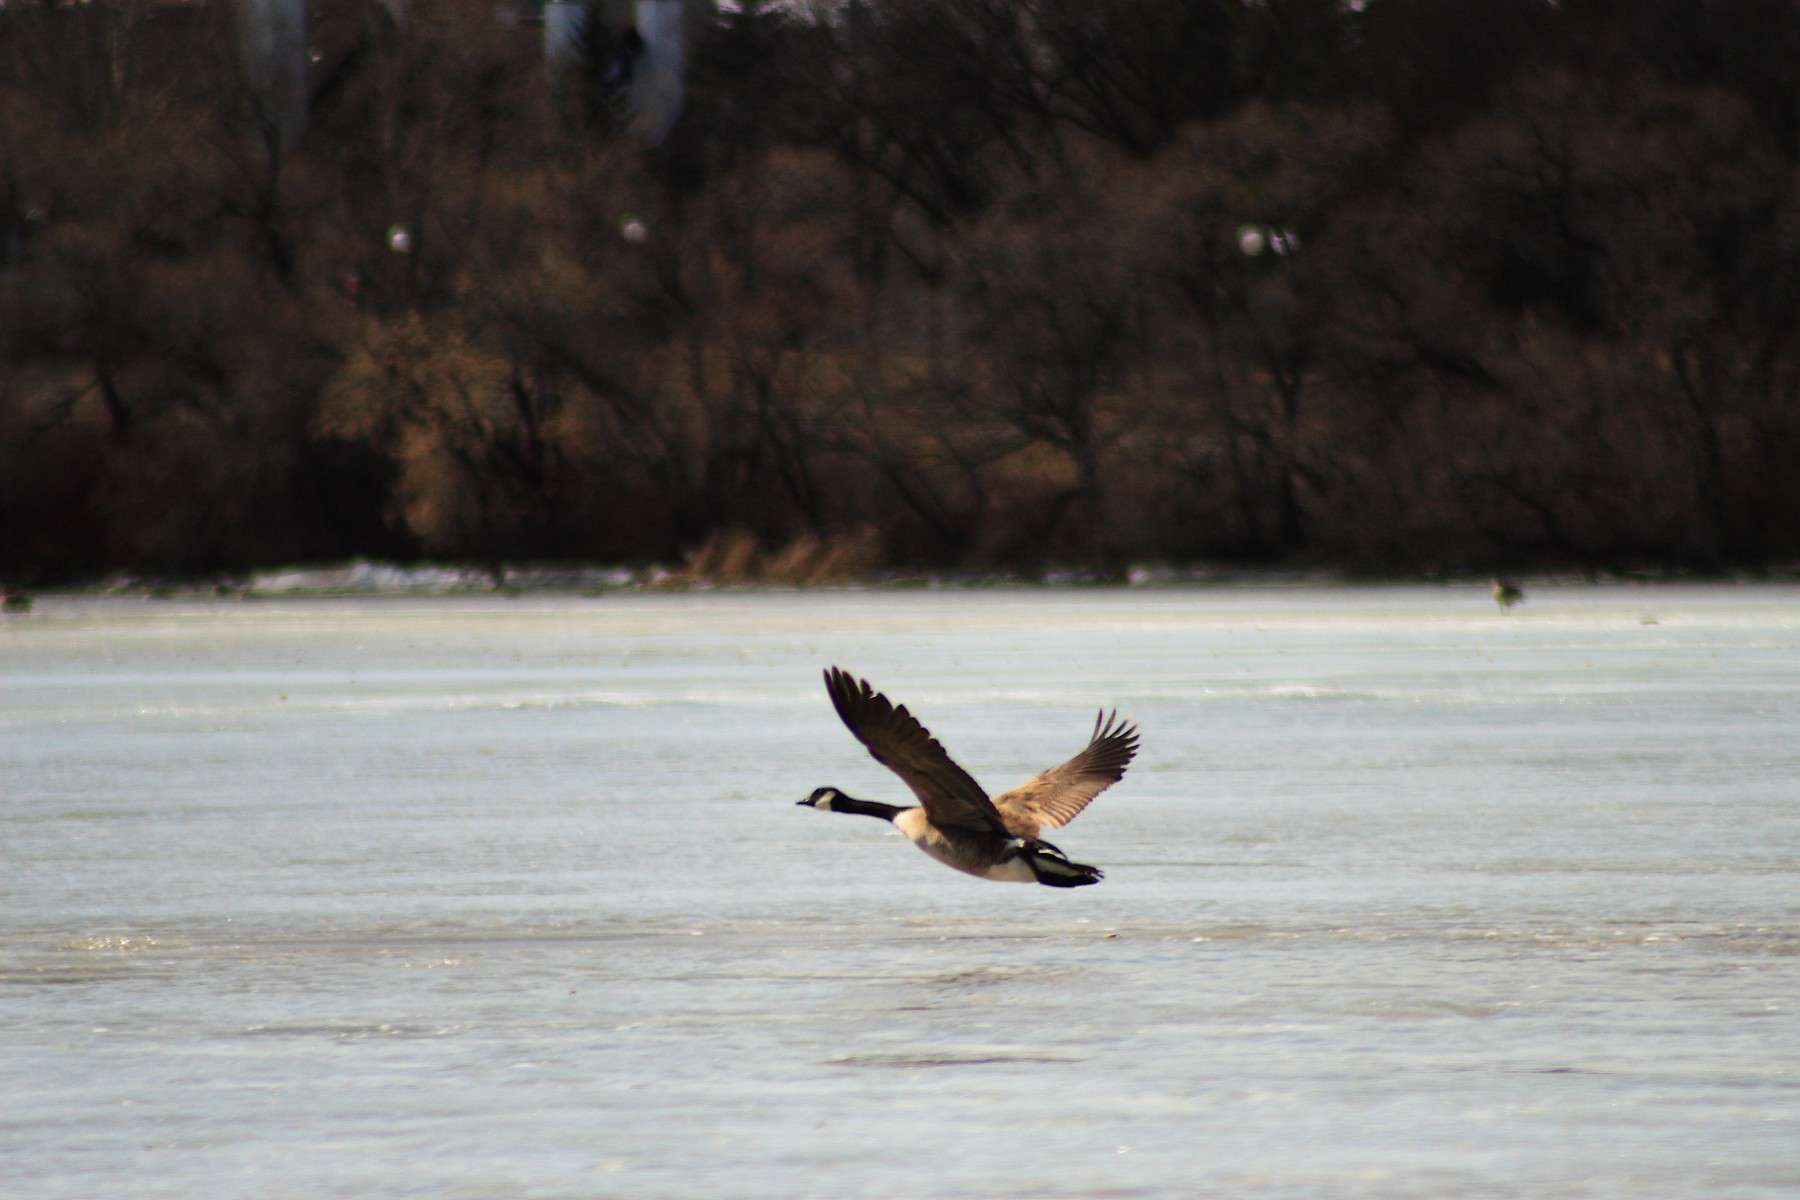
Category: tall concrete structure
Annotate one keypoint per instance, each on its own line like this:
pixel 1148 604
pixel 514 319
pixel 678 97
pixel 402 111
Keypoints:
pixel 562 26
pixel 655 36
pixel 272 41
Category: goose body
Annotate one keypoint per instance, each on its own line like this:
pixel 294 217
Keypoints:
pixel 955 821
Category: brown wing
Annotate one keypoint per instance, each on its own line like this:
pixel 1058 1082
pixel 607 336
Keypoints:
pixel 902 745
pixel 1053 799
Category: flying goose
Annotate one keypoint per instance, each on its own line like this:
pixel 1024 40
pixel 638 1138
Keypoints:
pixel 1507 593
pixel 958 824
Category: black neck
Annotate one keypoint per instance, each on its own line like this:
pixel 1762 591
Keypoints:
pixel 867 808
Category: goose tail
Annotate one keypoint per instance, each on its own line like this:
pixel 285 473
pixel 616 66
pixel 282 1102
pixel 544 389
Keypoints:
pixel 1054 869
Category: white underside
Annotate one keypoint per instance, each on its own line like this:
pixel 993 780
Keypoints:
pixel 920 831
pixel 1012 871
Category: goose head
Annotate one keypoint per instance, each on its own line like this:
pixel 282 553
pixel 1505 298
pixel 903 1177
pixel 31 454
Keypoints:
pixel 821 798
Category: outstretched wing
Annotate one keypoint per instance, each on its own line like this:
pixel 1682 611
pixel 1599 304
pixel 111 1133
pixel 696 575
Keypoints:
pixel 1054 798
pixel 902 745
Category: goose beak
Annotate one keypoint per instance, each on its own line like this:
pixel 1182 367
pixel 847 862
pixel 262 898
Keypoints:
pixel 803 804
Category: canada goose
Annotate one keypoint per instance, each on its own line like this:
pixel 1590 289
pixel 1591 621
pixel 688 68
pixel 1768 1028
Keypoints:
pixel 958 824
pixel 1507 593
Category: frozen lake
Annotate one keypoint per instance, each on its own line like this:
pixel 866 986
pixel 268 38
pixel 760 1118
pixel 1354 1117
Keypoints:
pixel 498 898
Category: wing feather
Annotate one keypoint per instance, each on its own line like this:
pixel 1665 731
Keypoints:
pixel 1054 798
pixel 898 742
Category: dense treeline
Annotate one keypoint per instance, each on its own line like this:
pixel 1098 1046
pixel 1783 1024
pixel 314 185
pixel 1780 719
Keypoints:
pixel 1406 284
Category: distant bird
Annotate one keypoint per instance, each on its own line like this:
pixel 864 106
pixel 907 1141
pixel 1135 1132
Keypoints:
pixel 958 824
pixel 14 601
pixel 1507 593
